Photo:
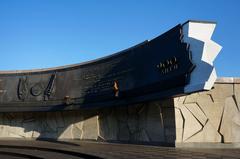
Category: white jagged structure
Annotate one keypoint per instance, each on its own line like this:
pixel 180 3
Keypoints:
pixel 198 35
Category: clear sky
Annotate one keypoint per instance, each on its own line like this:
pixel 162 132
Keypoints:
pixel 48 33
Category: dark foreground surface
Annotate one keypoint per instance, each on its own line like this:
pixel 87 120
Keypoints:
pixel 70 150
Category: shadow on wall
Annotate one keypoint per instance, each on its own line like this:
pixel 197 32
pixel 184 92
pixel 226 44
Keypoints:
pixel 206 117
pixel 152 122
pixel 149 123
pixel 42 125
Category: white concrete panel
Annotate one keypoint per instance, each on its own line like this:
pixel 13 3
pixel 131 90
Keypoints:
pixel 204 51
pixel 212 78
pixel 210 51
pixel 201 31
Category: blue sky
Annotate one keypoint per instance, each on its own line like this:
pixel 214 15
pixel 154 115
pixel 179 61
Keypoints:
pixel 48 33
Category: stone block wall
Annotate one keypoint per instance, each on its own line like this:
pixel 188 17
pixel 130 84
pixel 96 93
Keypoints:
pixel 209 116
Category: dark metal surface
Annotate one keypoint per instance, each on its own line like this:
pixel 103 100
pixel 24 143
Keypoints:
pixel 151 70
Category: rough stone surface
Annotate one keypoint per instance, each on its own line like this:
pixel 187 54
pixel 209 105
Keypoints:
pixel 229 118
pixel 237 94
pixel 191 124
pixel 179 121
pixel 108 126
pixel 197 113
pixel 208 116
pixel 207 134
pixel 154 124
pixel 90 128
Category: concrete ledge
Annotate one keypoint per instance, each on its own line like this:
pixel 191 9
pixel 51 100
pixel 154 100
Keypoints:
pixel 230 80
pixel 208 145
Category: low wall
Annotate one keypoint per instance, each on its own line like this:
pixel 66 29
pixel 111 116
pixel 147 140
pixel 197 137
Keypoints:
pixel 209 116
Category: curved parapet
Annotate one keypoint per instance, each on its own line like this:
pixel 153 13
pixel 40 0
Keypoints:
pixel 204 51
pixel 172 64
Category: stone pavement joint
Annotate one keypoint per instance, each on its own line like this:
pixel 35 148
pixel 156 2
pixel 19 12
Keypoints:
pixel 85 149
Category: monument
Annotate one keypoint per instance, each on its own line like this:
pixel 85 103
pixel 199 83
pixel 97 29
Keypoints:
pixel 162 91
pixel 175 63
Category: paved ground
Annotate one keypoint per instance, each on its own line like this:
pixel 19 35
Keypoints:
pixel 12 149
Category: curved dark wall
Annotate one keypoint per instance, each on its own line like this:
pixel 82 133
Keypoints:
pixel 151 70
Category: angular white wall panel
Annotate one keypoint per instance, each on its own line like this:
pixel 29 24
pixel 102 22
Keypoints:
pixel 204 51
